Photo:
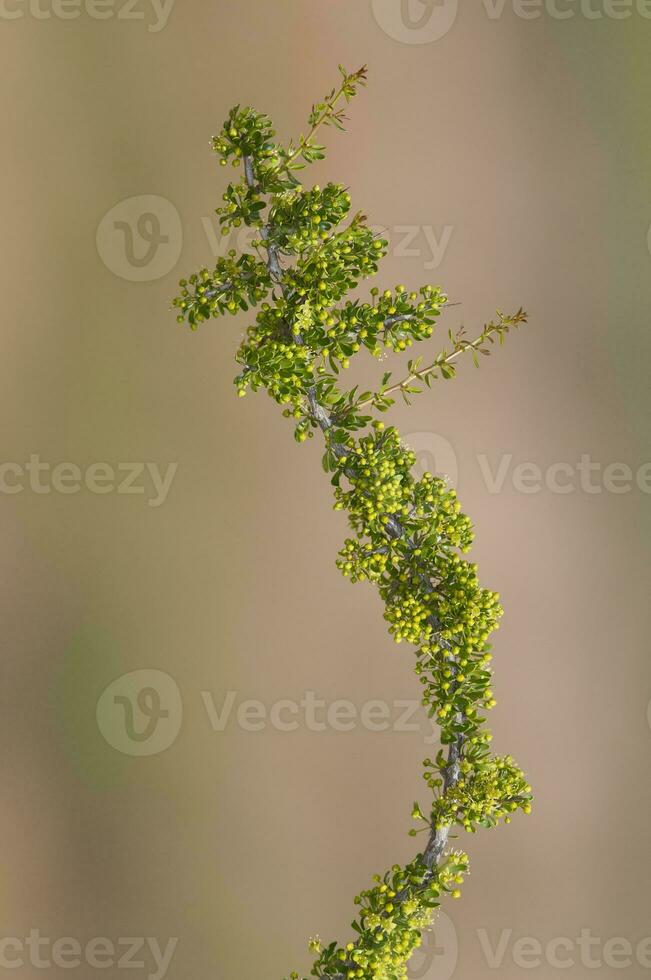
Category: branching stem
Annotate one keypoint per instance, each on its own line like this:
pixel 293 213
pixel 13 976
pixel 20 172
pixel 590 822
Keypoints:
pixel 325 113
pixel 438 838
pixel 408 533
pixel 488 334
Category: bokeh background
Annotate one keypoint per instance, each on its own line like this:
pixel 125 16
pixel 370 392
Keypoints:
pixel 507 150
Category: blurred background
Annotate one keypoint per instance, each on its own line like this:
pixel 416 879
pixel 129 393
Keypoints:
pixel 170 546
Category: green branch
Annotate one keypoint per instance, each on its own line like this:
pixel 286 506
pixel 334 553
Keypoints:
pixel 408 535
pixel 324 112
pixel 441 365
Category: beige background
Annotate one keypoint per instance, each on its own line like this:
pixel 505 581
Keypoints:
pixel 530 139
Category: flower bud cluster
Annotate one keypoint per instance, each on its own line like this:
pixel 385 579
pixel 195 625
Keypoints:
pixel 378 473
pixel 327 272
pixel 483 795
pixel 242 205
pixel 233 285
pixel 246 133
pixel 392 917
pixel 301 220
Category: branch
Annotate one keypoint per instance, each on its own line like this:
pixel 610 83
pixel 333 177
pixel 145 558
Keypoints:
pixel 273 263
pixel 413 528
pixel 488 334
pixel 439 836
pixel 326 109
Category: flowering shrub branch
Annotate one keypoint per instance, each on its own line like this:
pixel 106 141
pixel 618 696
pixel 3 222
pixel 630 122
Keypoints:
pixel 408 534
